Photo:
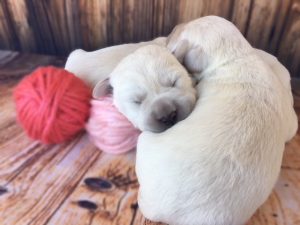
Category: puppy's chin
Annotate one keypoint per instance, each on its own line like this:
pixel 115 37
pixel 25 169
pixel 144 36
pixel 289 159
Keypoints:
pixel 157 129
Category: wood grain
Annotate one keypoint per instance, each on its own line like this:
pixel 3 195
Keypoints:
pixel 76 184
pixel 241 14
pixel 115 204
pixel 93 22
pixel 64 25
pixel 289 49
pixel 19 14
pixel 191 9
pixel 263 13
pixel 43 32
pixel 281 15
pixel 8 37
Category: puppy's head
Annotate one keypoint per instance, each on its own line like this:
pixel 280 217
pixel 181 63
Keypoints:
pixel 186 54
pixel 209 41
pixel 151 88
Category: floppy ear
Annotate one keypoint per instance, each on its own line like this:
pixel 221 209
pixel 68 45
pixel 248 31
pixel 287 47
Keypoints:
pixel 181 50
pixel 102 88
pixel 195 60
pixel 174 35
pixel 178 48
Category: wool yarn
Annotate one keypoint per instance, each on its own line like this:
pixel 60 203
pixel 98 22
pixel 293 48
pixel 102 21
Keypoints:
pixel 52 104
pixel 110 130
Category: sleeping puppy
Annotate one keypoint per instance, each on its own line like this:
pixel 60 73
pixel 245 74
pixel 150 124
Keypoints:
pixel 96 66
pixel 220 164
pixel 151 88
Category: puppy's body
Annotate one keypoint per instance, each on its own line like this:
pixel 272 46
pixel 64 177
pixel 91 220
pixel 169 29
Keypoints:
pixel 220 164
pixel 95 66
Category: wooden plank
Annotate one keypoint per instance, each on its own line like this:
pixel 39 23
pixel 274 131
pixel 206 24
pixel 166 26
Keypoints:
pixel 93 22
pixel 240 15
pixel 45 182
pixel 111 186
pixel 8 37
pixel 289 49
pixel 73 23
pixel 220 8
pixel 291 160
pixel 190 9
pixel 55 11
pixel 170 16
pixel 148 222
pixel 143 12
pixel 9 130
pixel 19 13
pixel 4 36
pixel 278 25
pixel 261 21
pixel 115 21
pixel 127 16
pixel 42 29
pixel 158 18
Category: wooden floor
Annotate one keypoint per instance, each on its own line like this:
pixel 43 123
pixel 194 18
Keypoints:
pixel 76 184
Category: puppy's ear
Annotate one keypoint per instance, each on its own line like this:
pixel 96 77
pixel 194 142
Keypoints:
pixel 178 48
pixel 174 35
pixel 195 60
pixel 102 88
pixel 181 50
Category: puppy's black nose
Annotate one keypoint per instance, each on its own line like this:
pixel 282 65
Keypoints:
pixel 169 119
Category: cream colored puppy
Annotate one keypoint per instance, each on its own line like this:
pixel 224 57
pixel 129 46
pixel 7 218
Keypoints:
pixel 151 88
pixel 95 66
pixel 220 164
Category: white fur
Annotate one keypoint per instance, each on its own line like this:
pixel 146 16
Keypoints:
pixel 95 66
pixel 220 164
pixel 151 81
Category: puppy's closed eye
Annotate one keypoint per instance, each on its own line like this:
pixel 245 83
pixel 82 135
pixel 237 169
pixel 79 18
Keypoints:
pixel 174 83
pixel 137 102
pixel 138 99
pixel 169 81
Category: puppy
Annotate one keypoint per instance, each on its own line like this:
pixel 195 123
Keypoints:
pixel 220 164
pixel 96 66
pixel 151 88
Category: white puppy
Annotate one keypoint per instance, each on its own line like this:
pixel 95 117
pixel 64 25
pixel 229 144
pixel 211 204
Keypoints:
pixel 95 66
pixel 220 164
pixel 151 88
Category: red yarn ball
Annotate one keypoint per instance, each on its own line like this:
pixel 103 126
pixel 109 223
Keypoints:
pixel 52 104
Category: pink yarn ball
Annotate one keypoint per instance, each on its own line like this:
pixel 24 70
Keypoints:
pixel 110 130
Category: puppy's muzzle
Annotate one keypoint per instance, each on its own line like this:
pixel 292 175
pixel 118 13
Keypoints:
pixel 168 120
pixel 164 113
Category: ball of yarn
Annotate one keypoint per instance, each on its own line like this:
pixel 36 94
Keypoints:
pixel 110 130
pixel 52 104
